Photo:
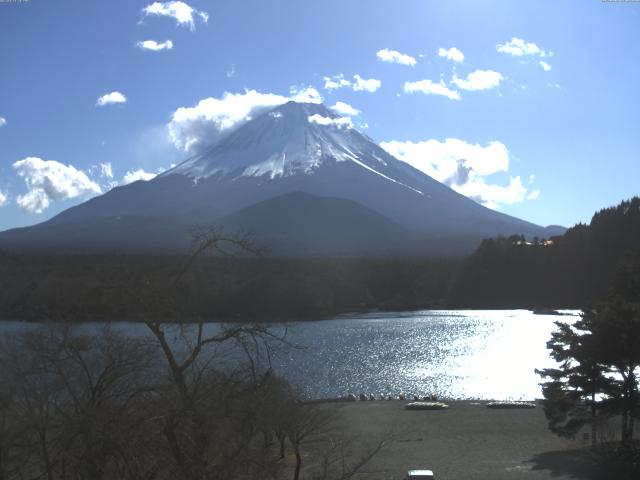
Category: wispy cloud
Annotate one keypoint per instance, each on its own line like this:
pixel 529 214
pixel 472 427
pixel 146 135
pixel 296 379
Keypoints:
pixel 3 121
pixel 106 170
pixel 103 173
pixel 431 88
pixel 336 82
pixel 110 99
pixel 181 12
pixel 48 180
pixel 478 80
pixel 519 48
pixel 358 84
pixel 155 46
pixel 340 122
pixel 393 56
pixel 545 66
pixel 452 54
pixel 465 167
pixel 304 94
pixel 4 199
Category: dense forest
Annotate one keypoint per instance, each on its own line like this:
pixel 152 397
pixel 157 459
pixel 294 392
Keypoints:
pixel 564 271
pixel 68 287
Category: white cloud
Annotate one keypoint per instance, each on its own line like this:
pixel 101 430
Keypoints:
pixel 478 80
pixel 369 85
pixel 533 195
pixel 494 196
pixel 305 95
pixel 103 175
pixel 430 88
pixel 519 48
pixel 191 128
pixel 340 122
pixel 106 170
pixel 463 167
pixel 393 56
pixel 532 178
pixel 3 121
pixel 183 13
pixel 358 84
pixel 342 108
pixel 3 199
pixel 452 54
pixel 545 66
pixel 336 82
pixel 48 180
pixel 135 175
pixel 111 98
pixel 440 160
pixel 155 46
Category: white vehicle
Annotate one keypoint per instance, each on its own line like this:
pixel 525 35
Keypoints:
pixel 420 475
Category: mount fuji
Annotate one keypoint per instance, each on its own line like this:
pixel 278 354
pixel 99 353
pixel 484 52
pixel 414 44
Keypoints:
pixel 302 179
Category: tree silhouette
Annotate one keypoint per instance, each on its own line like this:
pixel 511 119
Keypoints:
pixel 597 376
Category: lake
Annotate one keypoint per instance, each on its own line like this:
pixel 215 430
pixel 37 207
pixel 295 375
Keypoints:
pixel 455 354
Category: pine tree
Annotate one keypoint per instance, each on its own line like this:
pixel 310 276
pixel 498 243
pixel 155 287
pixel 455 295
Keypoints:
pixel 597 376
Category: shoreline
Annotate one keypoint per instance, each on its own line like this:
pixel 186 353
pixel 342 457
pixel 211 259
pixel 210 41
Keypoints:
pixel 453 401
pixel 559 312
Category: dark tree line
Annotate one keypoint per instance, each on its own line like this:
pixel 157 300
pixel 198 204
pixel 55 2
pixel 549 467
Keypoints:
pixel 86 287
pixel 565 271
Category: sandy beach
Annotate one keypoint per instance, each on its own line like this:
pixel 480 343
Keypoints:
pixel 467 441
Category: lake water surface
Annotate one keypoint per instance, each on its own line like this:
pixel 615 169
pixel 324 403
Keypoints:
pixel 455 354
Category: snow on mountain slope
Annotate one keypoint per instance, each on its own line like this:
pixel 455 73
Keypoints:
pixel 307 147
pixel 295 138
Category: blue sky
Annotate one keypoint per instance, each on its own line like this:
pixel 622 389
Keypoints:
pixel 548 142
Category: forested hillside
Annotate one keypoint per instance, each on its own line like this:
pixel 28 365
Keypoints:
pixel 564 271
pixel 128 287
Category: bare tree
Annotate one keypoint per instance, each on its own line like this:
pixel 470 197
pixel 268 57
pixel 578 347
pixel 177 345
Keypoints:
pixel 210 426
pixel 77 400
pixel 192 401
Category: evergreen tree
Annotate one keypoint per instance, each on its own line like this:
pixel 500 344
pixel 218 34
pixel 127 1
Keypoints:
pixel 572 390
pixel 597 376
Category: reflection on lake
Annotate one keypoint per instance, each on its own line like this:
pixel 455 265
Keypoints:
pixel 456 354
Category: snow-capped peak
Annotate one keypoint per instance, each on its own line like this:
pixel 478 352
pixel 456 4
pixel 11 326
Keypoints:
pixel 294 138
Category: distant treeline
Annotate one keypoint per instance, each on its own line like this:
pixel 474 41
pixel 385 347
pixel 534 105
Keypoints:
pixel 583 265
pixel 83 287
pixel 565 271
